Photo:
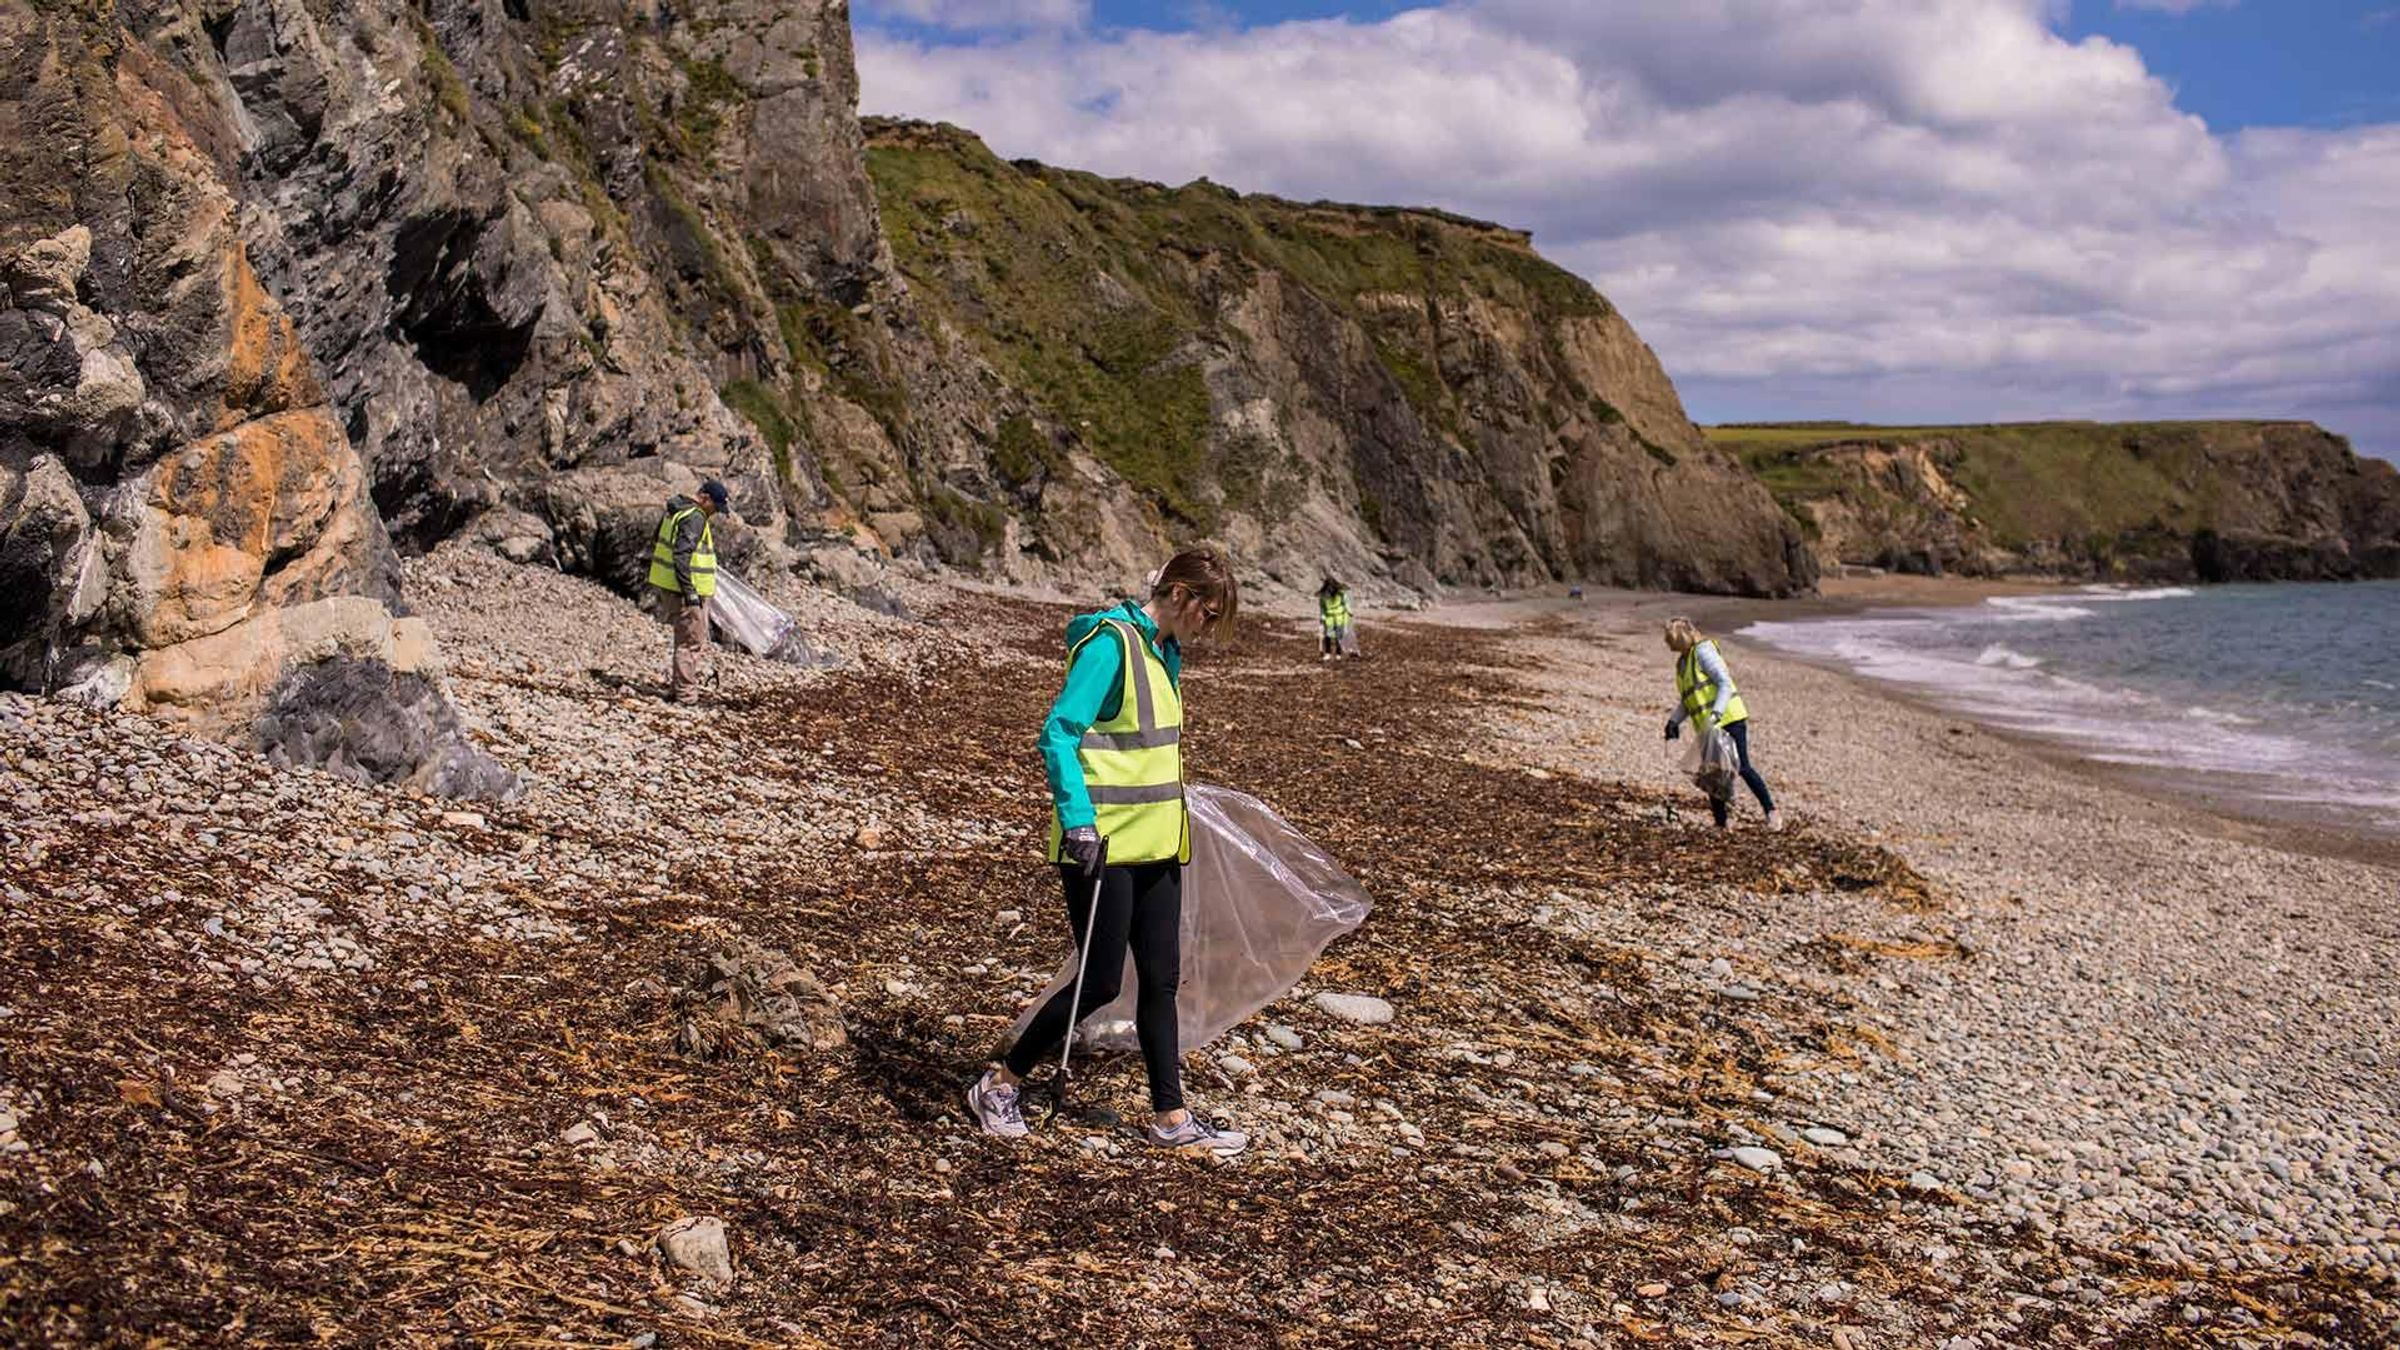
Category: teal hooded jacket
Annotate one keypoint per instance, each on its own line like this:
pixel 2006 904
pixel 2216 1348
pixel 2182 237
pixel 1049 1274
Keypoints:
pixel 1094 692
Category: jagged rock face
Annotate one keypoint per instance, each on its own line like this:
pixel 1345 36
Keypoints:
pixel 183 522
pixel 529 240
pixel 2184 501
pixel 555 261
pixel 1395 395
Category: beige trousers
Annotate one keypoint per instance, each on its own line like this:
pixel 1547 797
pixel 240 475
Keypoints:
pixel 689 620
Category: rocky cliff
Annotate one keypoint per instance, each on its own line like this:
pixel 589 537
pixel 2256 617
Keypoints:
pixel 185 526
pixel 293 288
pixel 1392 393
pixel 2206 501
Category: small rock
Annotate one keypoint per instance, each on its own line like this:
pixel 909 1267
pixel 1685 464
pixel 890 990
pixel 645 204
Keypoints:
pixel 1552 1149
pixel 1285 1037
pixel 1236 1065
pixel 697 1245
pixel 1825 1136
pixel 1924 1182
pixel 1732 1298
pixel 1652 1291
pixel 1758 1159
pixel 580 1134
pixel 869 838
pixel 1363 1009
pixel 1537 1300
pixel 465 820
pixel 1010 916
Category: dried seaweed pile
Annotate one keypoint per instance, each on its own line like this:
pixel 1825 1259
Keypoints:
pixel 477 1139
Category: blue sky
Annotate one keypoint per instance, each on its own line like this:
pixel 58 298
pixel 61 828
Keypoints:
pixel 1893 210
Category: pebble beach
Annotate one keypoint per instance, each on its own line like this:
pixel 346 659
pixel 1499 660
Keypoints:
pixel 2159 1027
pixel 1982 1052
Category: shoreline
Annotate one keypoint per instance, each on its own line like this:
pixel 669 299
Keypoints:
pixel 2217 807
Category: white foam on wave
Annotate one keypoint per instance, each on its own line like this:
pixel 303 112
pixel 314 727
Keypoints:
pixel 2036 609
pixel 2010 690
pixel 2103 591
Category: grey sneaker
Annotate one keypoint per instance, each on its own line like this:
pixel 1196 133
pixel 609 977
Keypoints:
pixel 994 1106
pixel 1198 1135
pixel 1775 820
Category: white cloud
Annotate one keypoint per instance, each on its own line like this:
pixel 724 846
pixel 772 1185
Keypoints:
pixel 1892 209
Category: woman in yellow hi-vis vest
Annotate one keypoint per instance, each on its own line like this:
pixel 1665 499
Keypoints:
pixel 1705 692
pixel 1334 634
pixel 1112 747
pixel 683 570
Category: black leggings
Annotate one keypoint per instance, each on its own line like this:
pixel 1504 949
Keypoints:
pixel 1723 810
pixel 1141 907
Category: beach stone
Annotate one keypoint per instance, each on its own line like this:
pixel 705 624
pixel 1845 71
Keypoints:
pixel 697 1245
pixel 1284 1036
pixel 1236 1065
pixel 1825 1136
pixel 1758 1159
pixel 1652 1290
pixel 1362 1009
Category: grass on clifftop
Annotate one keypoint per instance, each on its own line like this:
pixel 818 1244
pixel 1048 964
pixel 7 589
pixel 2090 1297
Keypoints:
pixel 2083 482
pixel 1099 298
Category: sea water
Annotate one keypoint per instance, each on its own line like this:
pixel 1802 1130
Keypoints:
pixel 2283 694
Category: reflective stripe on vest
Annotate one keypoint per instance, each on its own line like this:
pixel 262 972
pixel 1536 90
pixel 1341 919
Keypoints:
pixel 704 556
pixel 1133 762
pixel 1699 693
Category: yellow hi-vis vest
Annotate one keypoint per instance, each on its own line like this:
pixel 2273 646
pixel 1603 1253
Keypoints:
pixel 1700 692
pixel 1333 611
pixel 1133 762
pixel 704 556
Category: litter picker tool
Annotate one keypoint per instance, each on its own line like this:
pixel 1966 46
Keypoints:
pixel 1065 1080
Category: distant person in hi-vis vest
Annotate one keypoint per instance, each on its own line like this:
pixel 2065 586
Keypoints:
pixel 1120 835
pixel 1334 634
pixel 683 568
pixel 1705 693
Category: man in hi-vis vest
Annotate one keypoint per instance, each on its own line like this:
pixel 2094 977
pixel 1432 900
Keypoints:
pixel 683 566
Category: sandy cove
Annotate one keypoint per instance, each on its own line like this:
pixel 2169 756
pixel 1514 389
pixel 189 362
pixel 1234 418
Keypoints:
pixel 2023 1059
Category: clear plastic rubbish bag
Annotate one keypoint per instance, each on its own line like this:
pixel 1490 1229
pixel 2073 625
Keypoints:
pixel 1260 901
pixel 1720 764
pixel 745 616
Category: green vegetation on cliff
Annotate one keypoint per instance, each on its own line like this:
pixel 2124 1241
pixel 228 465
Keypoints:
pixel 1098 298
pixel 2096 497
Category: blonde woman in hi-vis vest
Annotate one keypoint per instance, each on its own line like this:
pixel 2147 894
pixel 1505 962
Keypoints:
pixel 1112 748
pixel 1705 693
